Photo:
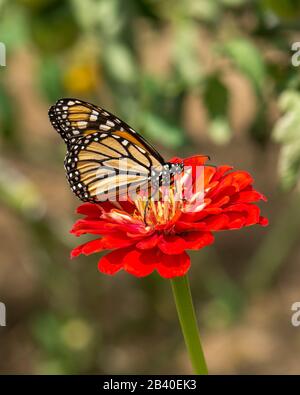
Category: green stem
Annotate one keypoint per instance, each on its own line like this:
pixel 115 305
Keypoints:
pixel 188 322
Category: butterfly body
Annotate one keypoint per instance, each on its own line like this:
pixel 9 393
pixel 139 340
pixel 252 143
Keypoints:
pixel 163 177
pixel 106 158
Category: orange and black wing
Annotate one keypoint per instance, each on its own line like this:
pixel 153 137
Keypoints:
pixel 106 159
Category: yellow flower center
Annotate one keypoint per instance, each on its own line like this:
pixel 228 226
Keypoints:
pixel 158 212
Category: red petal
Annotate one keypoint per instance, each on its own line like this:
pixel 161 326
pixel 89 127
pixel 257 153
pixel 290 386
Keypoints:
pixel 173 245
pixel 221 170
pixel 216 222
pixel 200 215
pixel 88 248
pixel 106 243
pixel 246 211
pixel 220 201
pixel 173 265
pixel 196 160
pixel 112 262
pixel 118 240
pixel 100 227
pixel 235 221
pixel 89 209
pixel 209 174
pixel 263 221
pixel 182 226
pixel 140 263
pixel 197 240
pixel 176 159
pixel 248 197
pixel 241 179
pixel 148 242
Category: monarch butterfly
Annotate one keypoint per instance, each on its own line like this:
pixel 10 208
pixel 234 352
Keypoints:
pixel 105 156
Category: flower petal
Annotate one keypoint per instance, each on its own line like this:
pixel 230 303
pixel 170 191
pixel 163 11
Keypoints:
pixel 173 245
pixel 248 197
pixel 140 263
pixel 106 243
pixel 173 265
pixel 88 248
pixel 263 221
pixel 89 209
pixel 112 262
pixel 148 242
pixel 196 160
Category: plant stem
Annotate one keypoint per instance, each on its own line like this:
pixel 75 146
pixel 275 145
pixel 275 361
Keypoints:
pixel 188 322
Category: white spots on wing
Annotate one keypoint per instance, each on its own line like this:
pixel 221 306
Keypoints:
pixel 71 103
pixel 103 135
pixel 82 124
pixel 125 142
pixel 104 127
pixel 93 118
pixel 110 123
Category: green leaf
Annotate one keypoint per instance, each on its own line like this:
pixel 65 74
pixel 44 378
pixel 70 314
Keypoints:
pixel 233 3
pixel 288 10
pixel 13 27
pixel 287 132
pixel 120 63
pixel 287 128
pixel 50 78
pixel 220 131
pixel 216 98
pixel 7 129
pixel 248 60
pixel 54 30
pixel 186 55
pixel 161 130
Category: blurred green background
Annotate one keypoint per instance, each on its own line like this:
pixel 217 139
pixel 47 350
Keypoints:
pixel 195 77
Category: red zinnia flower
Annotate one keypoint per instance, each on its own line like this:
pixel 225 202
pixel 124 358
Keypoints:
pixel 171 228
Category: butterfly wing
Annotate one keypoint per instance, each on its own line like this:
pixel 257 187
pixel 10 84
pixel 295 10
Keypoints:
pixel 73 118
pixel 106 159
